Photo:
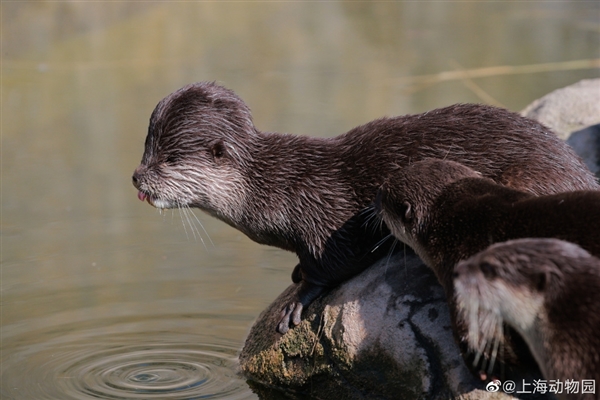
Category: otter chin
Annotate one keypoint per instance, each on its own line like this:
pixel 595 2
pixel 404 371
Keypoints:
pixel 309 195
pixel 548 290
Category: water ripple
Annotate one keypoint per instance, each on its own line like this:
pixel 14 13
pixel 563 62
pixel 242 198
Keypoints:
pixel 123 368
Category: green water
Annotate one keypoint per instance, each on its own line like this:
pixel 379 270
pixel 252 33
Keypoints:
pixel 102 296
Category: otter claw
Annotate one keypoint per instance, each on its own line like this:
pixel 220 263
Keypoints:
pixel 292 313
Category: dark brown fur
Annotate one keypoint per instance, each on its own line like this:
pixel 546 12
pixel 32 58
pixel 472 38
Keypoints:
pixel 305 194
pixel 548 290
pixel 446 212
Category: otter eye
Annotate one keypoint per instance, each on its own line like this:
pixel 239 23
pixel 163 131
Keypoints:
pixel 488 270
pixel 172 159
pixel 218 150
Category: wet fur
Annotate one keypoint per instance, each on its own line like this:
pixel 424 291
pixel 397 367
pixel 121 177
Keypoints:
pixel 456 213
pixel 305 194
pixel 548 290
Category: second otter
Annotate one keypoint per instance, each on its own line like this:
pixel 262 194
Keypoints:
pixel 447 212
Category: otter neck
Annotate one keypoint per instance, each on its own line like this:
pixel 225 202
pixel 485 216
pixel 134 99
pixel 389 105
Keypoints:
pixel 298 194
pixel 537 341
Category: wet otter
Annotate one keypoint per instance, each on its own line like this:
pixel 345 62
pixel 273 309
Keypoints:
pixel 548 290
pixel 306 194
pixel 447 212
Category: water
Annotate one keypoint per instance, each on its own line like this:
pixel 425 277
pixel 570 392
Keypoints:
pixel 104 297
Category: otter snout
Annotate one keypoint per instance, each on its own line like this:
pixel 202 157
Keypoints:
pixel 136 177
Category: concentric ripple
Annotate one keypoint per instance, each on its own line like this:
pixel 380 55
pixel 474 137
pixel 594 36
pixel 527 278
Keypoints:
pixel 114 368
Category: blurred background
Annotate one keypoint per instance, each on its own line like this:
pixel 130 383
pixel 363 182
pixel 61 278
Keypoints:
pixel 104 297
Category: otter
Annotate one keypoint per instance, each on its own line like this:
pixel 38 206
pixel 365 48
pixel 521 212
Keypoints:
pixel 307 194
pixel 548 290
pixel 447 212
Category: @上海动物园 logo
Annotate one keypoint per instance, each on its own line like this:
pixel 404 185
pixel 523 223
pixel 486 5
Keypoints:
pixel 493 386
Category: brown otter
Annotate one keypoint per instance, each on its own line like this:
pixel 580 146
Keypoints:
pixel 548 290
pixel 447 212
pixel 306 194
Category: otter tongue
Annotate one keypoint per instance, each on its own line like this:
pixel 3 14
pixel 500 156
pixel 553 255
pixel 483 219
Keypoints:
pixel 142 196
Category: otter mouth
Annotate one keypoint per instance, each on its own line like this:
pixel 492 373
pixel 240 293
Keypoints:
pixel 150 200
pixel 156 202
pixel 144 197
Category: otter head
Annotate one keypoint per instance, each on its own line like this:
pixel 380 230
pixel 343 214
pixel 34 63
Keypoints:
pixel 196 151
pixel 405 200
pixel 508 282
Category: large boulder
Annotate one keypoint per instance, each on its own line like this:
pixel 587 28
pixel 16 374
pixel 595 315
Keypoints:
pixel 385 334
pixel 573 113
pixel 569 109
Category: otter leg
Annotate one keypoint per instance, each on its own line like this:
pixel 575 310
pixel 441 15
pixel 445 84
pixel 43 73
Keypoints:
pixel 292 313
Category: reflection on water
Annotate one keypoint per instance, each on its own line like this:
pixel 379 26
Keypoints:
pixel 104 297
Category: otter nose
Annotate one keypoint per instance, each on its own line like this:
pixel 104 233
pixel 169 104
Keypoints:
pixel 136 176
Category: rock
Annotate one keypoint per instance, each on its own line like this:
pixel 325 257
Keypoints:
pixel 586 143
pixel 568 109
pixel 385 334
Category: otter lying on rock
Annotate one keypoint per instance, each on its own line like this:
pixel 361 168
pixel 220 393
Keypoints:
pixel 307 195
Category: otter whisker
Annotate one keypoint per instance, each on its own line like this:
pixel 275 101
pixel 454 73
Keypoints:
pixel 481 343
pixel 474 326
pixel 372 218
pixel 193 228
pixel 392 248
pixel 382 241
pixel 496 342
pixel 502 353
pixel 389 255
pixel 486 351
pixel 186 211
pixel 480 351
pixel 183 223
pixel 201 225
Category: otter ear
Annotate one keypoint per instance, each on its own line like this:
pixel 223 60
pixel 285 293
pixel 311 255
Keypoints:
pixel 218 150
pixel 406 212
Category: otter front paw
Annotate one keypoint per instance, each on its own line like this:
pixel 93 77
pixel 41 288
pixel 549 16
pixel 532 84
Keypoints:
pixel 291 314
